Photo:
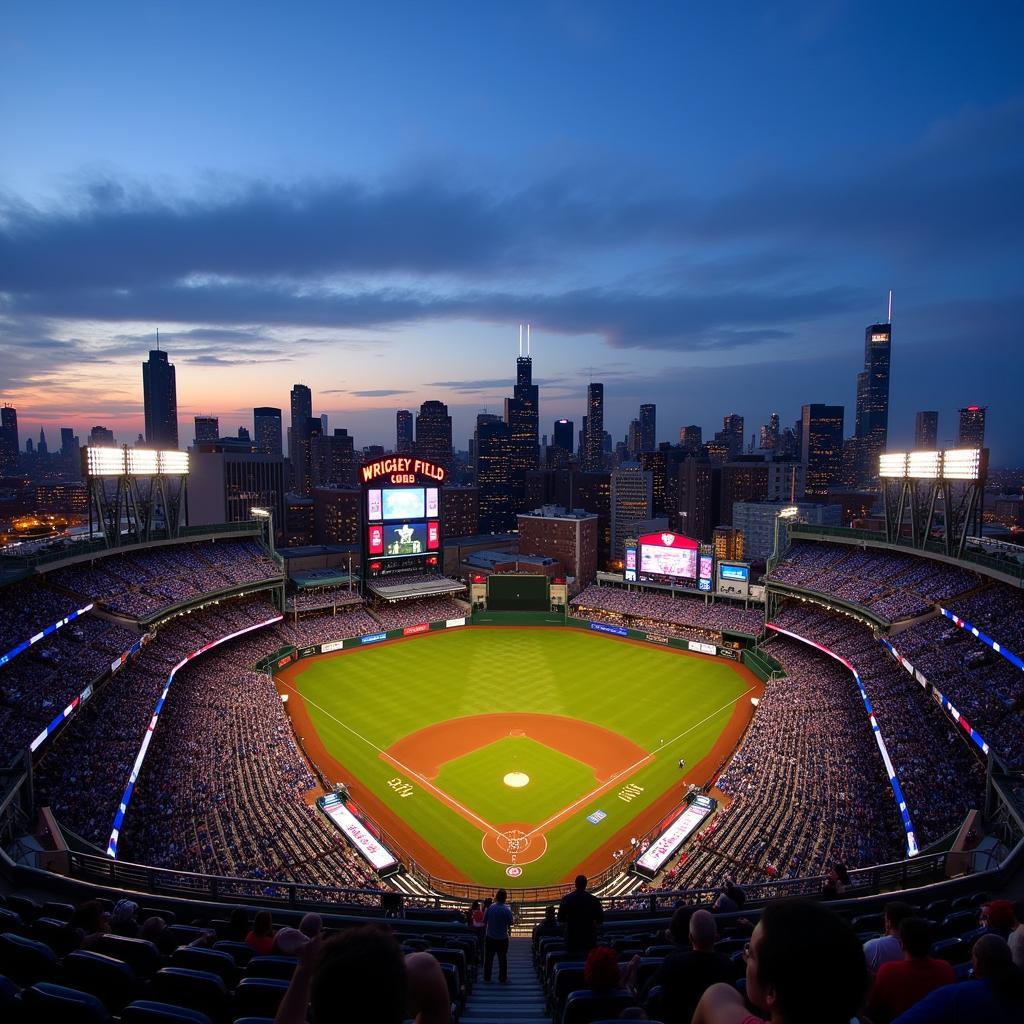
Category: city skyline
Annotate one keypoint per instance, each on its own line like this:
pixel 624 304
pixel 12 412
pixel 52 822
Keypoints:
pixel 675 218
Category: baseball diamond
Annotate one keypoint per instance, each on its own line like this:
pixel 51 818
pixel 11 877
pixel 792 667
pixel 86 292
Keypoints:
pixel 427 733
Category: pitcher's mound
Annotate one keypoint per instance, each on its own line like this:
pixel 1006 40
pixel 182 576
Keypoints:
pixel 517 780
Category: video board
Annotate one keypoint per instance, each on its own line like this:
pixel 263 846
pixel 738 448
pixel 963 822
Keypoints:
pixel 402 509
pixel 668 556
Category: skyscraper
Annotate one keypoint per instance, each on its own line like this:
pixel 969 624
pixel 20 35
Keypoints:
pixel 42 449
pixel 926 431
pixel 631 501
pixel 872 428
pixel 9 446
pixel 972 427
pixel 434 434
pixel 101 437
pixel 302 410
pixel 160 397
pixel 731 434
pixel 821 434
pixel 522 417
pixel 207 428
pixel 403 439
pixel 648 428
pixel 493 480
pixel 593 439
pixel 266 425
pixel 770 434
pixel 691 437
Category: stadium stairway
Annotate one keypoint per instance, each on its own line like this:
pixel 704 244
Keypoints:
pixel 520 1001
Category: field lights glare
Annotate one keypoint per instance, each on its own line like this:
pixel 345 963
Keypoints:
pixel 142 462
pixel 126 461
pixel 956 464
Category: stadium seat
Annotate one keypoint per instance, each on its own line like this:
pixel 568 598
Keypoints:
pixel 936 910
pixel 730 946
pixel 11 922
pixel 45 1002
pixel 148 1011
pixel 663 950
pixel 56 934
pixel 238 951
pixel 141 955
pixel 646 969
pixel 586 1007
pixel 455 957
pixel 567 977
pixel 258 997
pixel 58 911
pixel 176 935
pixel 197 990
pixel 26 961
pixel 954 951
pixel 739 964
pixel 955 924
pixel 8 996
pixel 109 980
pixel 869 923
pixel 27 909
pixel 455 992
pixel 271 967
pixel 963 903
pixel 214 960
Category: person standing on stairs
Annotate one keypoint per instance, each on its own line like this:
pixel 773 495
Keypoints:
pixel 497 928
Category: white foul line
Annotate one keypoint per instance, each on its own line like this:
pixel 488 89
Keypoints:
pixel 636 764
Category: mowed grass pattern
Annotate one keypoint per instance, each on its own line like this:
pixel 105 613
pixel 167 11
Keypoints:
pixel 669 703
pixel 477 780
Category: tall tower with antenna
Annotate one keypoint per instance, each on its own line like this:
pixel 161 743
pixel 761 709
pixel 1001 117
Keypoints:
pixel 522 414
pixel 872 429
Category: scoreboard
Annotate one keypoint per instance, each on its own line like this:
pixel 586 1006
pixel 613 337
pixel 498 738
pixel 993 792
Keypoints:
pixel 401 504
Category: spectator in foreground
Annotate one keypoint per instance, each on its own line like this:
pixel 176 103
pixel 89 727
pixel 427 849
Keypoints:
pixel 601 971
pixel 804 964
pixel 997 918
pixel 684 976
pixel 580 914
pixel 89 923
pixel 1016 940
pixel 886 948
pixel 902 983
pixel 361 975
pixel 995 996
pixel 261 938
pixel 497 927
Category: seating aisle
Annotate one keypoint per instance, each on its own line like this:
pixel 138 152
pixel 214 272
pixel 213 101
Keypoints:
pixel 519 1001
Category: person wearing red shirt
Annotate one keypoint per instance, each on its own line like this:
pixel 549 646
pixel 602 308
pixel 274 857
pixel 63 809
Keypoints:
pixel 899 984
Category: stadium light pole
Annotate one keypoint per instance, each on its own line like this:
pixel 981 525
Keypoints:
pixel 266 515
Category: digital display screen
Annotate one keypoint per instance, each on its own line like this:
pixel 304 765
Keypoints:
pixel 375 540
pixel 663 561
pixel 406 539
pixel 706 562
pixel 734 572
pixel 403 503
pixel 432 506
pixel 373 505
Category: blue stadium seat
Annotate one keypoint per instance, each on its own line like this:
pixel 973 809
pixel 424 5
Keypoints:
pixel 238 951
pixel 271 967
pixel 587 1007
pixel 26 961
pixel 109 980
pixel 11 922
pixel 565 978
pixel 176 935
pixel 139 954
pixel 27 909
pixel 196 990
pixel 47 1002
pixel 954 924
pixel 148 1011
pixel 8 997
pixel 663 950
pixel 58 911
pixel 56 934
pixel 214 960
pixel 258 997
pixel 954 951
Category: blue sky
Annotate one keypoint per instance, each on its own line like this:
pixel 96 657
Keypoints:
pixel 702 208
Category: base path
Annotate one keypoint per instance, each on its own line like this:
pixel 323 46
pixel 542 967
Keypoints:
pixel 607 753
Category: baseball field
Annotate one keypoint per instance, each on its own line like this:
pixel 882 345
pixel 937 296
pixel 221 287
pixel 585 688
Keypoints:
pixel 517 757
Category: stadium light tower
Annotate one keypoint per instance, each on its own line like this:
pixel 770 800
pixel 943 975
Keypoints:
pixel 265 517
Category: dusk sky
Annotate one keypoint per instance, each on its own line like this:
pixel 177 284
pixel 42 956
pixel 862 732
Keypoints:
pixel 701 205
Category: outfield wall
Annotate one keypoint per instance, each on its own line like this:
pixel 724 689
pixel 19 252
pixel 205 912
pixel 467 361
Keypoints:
pixel 692 646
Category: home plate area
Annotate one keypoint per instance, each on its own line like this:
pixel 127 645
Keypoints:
pixel 514 844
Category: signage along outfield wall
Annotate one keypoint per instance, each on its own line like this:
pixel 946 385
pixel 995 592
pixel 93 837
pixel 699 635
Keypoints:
pixel 688 821
pixel 680 644
pixel 349 642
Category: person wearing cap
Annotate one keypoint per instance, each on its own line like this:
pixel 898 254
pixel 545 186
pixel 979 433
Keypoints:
pixel 122 919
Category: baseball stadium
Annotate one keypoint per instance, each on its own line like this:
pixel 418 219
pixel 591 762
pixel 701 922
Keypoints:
pixel 192 725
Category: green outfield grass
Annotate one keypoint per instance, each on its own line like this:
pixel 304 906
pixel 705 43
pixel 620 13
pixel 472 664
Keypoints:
pixel 671 704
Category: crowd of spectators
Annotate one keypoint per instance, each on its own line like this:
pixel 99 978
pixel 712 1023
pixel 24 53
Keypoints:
pixel 224 785
pixel 689 618
pixel 892 584
pixel 806 787
pixel 998 611
pixel 981 684
pixel 141 583
pixel 401 614
pixel 940 776
pixel 322 597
